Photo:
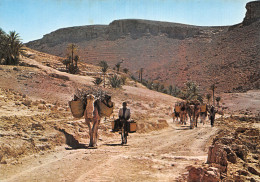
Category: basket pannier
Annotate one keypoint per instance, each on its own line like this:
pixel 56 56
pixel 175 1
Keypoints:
pixel 105 111
pixel 132 126
pixel 77 108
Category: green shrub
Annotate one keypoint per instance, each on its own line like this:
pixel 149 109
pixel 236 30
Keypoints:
pixel 123 79
pixel 97 81
pixel 115 81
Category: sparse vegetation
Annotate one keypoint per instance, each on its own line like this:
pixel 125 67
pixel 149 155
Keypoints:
pixel 218 100
pixel 71 67
pixel 123 79
pixel 125 70
pixel 118 66
pixel 208 97
pixel 213 87
pixel 115 81
pixel 104 68
pixel 97 81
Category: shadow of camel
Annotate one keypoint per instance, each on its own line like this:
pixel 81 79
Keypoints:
pixel 115 144
pixel 183 128
pixel 72 142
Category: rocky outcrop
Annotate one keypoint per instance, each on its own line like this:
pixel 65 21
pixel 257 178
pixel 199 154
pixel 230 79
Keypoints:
pixel 70 35
pixel 201 174
pixel 138 28
pixel 133 28
pixel 234 155
pixel 253 12
pixel 171 53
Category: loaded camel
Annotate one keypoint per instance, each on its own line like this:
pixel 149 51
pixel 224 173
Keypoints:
pixel 92 109
pixel 191 110
pixel 95 109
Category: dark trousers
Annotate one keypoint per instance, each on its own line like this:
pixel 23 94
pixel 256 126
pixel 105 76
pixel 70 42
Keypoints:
pixel 212 120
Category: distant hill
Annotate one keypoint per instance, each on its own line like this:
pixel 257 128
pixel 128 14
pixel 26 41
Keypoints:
pixel 170 53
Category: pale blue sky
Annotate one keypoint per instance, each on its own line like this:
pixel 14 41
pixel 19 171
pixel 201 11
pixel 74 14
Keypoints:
pixel 34 18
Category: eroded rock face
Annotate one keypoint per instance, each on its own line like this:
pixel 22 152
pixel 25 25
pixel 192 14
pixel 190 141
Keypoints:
pixel 120 28
pixel 139 28
pixel 253 12
pixel 235 154
pixel 199 174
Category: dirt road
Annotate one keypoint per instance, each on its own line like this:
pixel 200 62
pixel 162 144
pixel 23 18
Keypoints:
pixel 159 155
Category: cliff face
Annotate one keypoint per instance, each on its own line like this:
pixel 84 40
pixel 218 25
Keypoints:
pixel 170 53
pixel 253 12
pixel 119 29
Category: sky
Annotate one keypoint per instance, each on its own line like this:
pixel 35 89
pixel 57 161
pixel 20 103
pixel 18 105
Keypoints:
pixel 34 18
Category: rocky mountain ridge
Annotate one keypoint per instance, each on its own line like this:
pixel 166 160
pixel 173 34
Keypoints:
pixel 170 53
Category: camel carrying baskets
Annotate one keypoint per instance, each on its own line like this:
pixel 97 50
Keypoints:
pixel 177 109
pixel 203 108
pixel 77 108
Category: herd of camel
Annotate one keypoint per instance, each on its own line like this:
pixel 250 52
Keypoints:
pixel 191 109
pixel 95 108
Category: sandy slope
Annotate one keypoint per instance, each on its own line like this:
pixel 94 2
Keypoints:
pixel 159 155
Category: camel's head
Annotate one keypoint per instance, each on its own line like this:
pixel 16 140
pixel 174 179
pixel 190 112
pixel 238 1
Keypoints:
pixel 90 97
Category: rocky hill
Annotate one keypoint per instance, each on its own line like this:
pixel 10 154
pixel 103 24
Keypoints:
pixel 170 53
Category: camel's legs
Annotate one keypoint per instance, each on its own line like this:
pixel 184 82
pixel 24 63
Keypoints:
pixel 95 131
pixel 90 132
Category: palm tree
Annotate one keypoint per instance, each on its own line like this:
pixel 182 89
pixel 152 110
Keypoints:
pixel 2 44
pixel 218 100
pixel 66 62
pixel 125 70
pixel 170 90
pixel 192 90
pixel 76 59
pixel 104 68
pixel 72 48
pixel 14 48
pixel 213 87
pixel 208 96
pixel 97 81
pixel 141 74
pixel 118 66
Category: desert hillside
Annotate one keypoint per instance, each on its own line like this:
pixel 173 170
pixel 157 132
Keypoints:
pixel 40 140
pixel 170 53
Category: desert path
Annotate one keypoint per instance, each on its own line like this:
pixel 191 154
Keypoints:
pixel 156 156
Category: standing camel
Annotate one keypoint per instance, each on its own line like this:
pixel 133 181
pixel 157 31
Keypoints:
pixel 193 110
pixel 93 115
pixel 183 113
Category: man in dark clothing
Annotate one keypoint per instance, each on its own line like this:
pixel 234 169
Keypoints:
pixel 212 113
pixel 124 115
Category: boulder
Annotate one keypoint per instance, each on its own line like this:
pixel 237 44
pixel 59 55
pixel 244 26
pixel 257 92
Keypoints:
pixel 199 174
pixel 218 155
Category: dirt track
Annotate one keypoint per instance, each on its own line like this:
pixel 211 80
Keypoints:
pixel 159 155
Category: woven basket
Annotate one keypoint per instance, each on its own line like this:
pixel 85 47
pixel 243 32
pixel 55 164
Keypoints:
pixel 203 108
pixel 105 111
pixel 177 108
pixel 77 108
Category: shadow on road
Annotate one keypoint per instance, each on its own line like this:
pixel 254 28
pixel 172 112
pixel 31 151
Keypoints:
pixel 183 128
pixel 114 144
pixel 74 143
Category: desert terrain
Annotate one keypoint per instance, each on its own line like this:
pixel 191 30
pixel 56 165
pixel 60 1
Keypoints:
pixel 41 141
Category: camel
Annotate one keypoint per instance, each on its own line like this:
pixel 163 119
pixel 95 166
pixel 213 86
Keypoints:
pixel 176 113
pixel 203 113
pixel 93 116
pixel 193 110
pixel 183 113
